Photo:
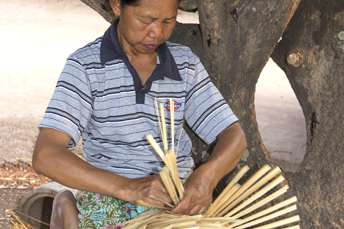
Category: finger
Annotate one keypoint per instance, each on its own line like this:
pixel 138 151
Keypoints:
pixel 162 201
pixel 195 210
pixel 203 210
pixel 158 185
pixel 150 203
pixel 161 196
pixel 154 189
pixel 181 208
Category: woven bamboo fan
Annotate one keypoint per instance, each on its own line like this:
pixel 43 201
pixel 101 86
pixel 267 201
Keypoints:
pixel 244 203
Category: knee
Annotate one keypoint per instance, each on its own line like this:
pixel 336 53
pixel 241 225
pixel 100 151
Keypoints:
pixel 62 200
pixel 64 214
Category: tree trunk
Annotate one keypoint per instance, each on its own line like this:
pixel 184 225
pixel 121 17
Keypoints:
pixel 238 39
pixel 188 5
pixel 312 55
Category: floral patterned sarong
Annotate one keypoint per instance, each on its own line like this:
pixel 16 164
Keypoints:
pixel 103 212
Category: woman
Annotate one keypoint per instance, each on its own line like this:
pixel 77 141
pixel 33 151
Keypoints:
pixel 106 95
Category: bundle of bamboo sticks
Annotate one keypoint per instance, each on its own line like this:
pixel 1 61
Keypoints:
pixel 169 174
pixel 244 203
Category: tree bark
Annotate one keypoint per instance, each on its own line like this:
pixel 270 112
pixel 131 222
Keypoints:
pixel 102 7
pixel 238 39
pixel 188 5
pixel 312 55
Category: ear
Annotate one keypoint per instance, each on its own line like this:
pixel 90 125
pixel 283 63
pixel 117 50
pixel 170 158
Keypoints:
pixel 116 7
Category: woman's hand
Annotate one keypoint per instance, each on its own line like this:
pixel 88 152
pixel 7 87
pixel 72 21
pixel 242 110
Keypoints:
pixel 148 191
pixel 199 187
pixel 198 194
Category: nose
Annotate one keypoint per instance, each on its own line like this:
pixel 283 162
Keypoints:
pixel 156 31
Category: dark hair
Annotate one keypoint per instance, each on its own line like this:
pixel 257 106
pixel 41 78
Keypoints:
pixel 129 2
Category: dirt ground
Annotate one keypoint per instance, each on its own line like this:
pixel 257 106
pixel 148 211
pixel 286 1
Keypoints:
pixel 16 179
pixel 36 38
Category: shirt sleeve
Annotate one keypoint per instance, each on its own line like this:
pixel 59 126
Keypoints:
pixel 206 111
pixel 70 107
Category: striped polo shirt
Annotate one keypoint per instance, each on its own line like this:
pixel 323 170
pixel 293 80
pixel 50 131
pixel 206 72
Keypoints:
pixel 99 98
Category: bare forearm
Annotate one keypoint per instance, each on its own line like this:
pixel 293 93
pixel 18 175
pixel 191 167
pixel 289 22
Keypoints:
pixel 61 165
pixel 52 158
pixel 226 154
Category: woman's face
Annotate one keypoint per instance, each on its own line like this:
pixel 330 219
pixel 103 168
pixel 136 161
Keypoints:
pixel 147 25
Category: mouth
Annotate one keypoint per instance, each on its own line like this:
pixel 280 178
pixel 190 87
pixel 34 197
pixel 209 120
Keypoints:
pixel 150 47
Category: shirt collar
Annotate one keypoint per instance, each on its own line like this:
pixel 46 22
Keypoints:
pixel 110 49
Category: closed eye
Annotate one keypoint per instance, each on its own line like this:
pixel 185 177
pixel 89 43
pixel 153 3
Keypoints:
pixel 168 21
pixel 146 21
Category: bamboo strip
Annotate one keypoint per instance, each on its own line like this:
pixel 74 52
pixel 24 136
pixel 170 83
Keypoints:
pixel 172 124
pixel 153 213
pixel 162 201
pixel 268 217
pixel 193 227
pixel 257 195
pixel 262 202
pixel 163 126
pixel 272 174
pixel 156 148
pixel 293 227
pixel 168 183
pixel 184 224
pixel 235 188
pixel 209 225
pixel 170 163
pixel 219 219
pixel 267 211
pixel 136 225
pixel 221 198
pixel 165 220
pixel 142 203
pixel 171 157
pixel 196 225
pixel 224 208
pixel 182 227
pixel 169 160
pixel 280 223
pixel 156 106
pixel 175 220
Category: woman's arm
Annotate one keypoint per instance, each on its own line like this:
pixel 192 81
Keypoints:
pixel 52 158
pixel 202 182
